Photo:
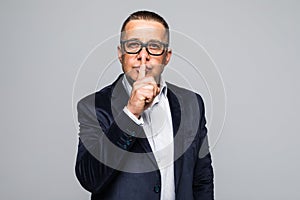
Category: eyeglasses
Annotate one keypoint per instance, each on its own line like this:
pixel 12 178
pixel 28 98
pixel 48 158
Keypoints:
pixel 154 48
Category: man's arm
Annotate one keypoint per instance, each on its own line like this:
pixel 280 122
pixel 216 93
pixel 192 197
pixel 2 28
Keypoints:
pixel 101 136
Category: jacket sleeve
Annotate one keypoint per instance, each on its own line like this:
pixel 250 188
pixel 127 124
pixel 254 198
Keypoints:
pixel 203 186
pixel 103 144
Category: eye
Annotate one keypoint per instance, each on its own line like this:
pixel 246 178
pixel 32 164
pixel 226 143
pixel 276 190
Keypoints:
pixel 154 45
pixel 132 44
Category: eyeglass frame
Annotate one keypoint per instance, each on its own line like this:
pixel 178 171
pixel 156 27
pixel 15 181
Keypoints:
pixel 165 45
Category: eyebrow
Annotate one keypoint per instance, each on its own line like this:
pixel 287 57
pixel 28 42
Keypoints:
pixel 151 40
pixel 133 39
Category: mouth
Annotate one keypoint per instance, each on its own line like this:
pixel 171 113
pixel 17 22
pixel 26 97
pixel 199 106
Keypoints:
pixel 137 69
pixel 148 68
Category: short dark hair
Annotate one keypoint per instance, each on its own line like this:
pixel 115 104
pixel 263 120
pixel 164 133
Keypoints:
pixel 146 15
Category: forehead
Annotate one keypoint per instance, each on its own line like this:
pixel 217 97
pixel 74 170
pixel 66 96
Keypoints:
pixel 144 30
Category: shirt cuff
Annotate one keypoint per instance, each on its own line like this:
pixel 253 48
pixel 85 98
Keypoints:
pixel 133 117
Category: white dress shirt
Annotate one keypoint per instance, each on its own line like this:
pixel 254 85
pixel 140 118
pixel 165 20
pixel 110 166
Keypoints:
pixel 157 123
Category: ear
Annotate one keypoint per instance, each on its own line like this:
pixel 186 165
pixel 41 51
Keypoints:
pixel 120 53
pixel 168 56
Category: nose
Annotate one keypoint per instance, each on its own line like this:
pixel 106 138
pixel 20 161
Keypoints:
pixel 143 56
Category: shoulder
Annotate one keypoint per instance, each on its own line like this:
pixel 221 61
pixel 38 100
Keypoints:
pixel 184 94
pixel 101 97
pixel 91 99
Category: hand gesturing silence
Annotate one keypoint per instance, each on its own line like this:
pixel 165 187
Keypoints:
pixel 144 90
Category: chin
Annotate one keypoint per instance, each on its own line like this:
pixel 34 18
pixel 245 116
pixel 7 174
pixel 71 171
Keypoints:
pixel 131 78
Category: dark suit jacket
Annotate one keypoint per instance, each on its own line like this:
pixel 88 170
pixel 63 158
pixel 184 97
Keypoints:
pixel 107 164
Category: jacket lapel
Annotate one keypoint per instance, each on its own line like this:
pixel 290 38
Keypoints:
pixel 119 100
pixel 176 121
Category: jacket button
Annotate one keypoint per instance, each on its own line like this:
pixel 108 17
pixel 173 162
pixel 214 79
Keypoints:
pixel 132 133
pixel 157 188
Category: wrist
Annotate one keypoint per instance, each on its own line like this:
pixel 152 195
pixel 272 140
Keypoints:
pixel 130 109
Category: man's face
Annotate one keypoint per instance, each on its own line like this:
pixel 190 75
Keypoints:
pixel 144 31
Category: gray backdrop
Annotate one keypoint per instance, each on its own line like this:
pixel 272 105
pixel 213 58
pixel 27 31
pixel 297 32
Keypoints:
pixel 255 45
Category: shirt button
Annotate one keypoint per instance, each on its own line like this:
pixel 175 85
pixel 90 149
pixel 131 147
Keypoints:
pixel 157 188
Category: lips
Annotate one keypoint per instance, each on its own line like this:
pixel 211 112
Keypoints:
pixel 137 68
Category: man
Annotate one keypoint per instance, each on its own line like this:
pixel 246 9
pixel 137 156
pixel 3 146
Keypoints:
pixel 143 138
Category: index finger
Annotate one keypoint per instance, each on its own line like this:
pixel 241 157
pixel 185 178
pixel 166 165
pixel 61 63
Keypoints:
pixel 142 72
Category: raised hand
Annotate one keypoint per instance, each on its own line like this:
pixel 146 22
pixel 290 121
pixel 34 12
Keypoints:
pixel 144 90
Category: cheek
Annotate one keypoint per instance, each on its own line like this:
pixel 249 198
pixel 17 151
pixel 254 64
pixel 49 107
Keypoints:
pixel 160 62
pixel 127 59
pixel 127 63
